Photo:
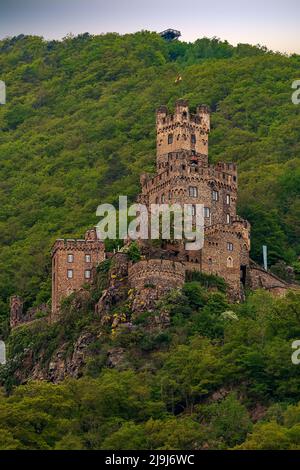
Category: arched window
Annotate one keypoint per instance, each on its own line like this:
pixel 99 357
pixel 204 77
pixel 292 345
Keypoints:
pixel 229 262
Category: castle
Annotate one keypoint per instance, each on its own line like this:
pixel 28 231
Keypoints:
pixel 183 176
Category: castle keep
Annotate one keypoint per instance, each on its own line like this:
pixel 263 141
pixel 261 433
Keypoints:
pixel 184 176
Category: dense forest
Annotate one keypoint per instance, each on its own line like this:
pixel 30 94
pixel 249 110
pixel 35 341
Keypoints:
pixel 77 130
pixel 219 377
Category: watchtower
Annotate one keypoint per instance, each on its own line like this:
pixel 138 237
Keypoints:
pixel 182 130
pixel 170 34
pixel 73 261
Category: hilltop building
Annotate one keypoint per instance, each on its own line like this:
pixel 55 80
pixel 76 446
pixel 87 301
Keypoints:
pixel 183 176
pixel 170 34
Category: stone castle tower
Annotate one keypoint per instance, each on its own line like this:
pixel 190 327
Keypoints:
pixel 73 262
pixel 185 176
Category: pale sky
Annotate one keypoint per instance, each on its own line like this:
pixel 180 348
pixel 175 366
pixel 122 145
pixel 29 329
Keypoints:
pixel 273 23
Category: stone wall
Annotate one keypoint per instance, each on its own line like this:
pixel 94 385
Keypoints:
pixel 182 130
pixel 153 278
pixel 261 279
pixel 78 257
pixel 172 186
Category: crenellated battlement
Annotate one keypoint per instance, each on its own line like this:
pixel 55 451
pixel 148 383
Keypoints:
pixel 158 272
pixel 182 130
pixel 184 176
pixel 73 261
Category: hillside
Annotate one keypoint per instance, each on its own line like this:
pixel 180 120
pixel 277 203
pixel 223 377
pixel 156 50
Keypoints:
pixel 197 372
pixel 220 376
pixel 78 129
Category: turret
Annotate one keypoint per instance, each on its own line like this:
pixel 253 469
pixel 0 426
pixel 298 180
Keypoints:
pixel 182 131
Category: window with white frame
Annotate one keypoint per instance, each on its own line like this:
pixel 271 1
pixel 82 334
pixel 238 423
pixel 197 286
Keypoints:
pixel 228 218
pixel 70 273
pixel 215 195
pixel 191 209
pixel 193 191
pixel 229 246
pixel 70 258
pixel 87 258
pixel 228 199
pixel 207 212
pixel 87 274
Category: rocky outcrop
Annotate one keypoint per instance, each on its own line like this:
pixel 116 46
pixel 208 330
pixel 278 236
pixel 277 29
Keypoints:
pixel 16 310
pixel 117 290
pixel 19 317
pixel 61 365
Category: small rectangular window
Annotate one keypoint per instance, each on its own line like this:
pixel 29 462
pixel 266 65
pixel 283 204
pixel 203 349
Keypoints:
pixel 191 209
pixel 193 138
pixel 207 212
pixel 215 195
pixel 87 258
pixel 228 218
pixel 87 274
pixel 170 139
pixel 70 258
pixel 193 191
pixel 70 273
pixel 229 246
pixel 228 199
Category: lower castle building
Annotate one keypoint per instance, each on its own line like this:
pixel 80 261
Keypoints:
pixel 73 262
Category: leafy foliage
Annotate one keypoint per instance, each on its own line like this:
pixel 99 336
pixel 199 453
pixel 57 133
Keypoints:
pixel 79 128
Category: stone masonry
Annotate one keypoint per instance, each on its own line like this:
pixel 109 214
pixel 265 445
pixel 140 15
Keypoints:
pixel 153 278
pixel 185 176
pixel 72 265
